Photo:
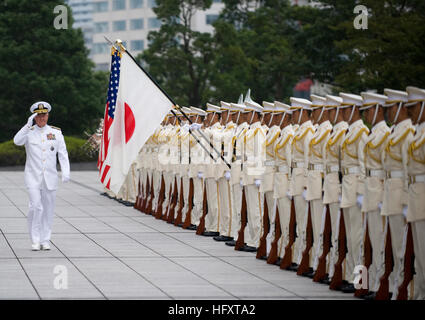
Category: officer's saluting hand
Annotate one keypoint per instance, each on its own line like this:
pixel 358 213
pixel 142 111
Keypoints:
pixel 42 144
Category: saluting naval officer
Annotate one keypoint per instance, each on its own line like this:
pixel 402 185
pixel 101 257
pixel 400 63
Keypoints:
pixel 42 143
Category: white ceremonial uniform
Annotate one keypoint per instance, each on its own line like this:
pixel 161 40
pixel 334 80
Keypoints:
pixel 374 188
pixel 332 189
pixel 394 161
pixel 184 168
pixel 253 169
pixel 41 177
pixel 416 204
pixel 300 149
pixel 281 184
pixel 352 163
pixel 163 163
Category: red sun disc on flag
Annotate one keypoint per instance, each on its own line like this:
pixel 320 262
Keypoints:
pixel 130 122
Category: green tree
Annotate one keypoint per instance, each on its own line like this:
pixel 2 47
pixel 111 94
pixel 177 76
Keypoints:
pixel 180 58
pixel 39 62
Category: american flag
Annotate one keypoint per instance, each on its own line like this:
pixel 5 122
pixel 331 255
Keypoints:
pixel 114 78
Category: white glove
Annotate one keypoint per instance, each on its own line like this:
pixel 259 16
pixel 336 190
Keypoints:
pixel 405 210
pixel 380 205
pixel 30 119
pixel 227 175
pixel 339 198
pixel 65 179
pixel 195 126
pixel 241 183
pixel 304 194
pixel 288 195
pixel 185 127
pixel 360 200
pixel 200 175
pixel 257 182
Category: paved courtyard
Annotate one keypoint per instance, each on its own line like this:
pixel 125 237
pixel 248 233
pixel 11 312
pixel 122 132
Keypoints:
pixel 108 251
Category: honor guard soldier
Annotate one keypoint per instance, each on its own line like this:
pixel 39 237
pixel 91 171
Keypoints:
pixel 212 224
pixel 300 149
pixel 352 169
pixel 394 161
pixel 253 170
pixel 42 144
pixel 416 179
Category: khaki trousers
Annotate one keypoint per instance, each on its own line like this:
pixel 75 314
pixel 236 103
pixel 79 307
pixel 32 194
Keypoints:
pixel 226 212
pixel 300 215
pixel 213 216
pixel 418 235
pixel 185 196
pixel 236 209
pixel 376 226
pixel 168 186
pixel 198 197
pixel 397 228
pixel 353 229
pixel 332 257
pixel 271 206
pixel 284 206
pixel 316 209
pixel 254 202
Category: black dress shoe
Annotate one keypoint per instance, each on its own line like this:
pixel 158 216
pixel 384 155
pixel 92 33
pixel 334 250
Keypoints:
pixel 223 238
pixel 180 225
pixel 309 273
pixel 349 288
pixel 192 227
pixel 325 280
pixel 231 243
pixel 210 234
pixel 263 258
pixel 370 296
pixel 249 249
pixel 278 262
pixel 128 204
pixel 293 267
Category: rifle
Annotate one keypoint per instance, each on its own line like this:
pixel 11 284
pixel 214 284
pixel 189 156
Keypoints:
pixel 161 197
pixel 273 257
pixel 138 198
pixel 305 260
pixel 240 242
pixel 188 220
pixel 201 227
pixel 342 250
pixel 409 259
pixel 367 258
pixel 151 196
pixel 287 258
pixel 170 218
pixel 383 292
pixel 320 273
pixel 178 219
pixel 262 248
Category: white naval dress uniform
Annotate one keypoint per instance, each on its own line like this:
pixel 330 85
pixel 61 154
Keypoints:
pixel 41 177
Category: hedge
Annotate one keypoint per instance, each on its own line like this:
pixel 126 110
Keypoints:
pixel 12 155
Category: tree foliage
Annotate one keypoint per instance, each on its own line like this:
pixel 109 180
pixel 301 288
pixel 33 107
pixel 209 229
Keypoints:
pixel 39 62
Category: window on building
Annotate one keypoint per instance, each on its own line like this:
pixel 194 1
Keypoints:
pixel 101 27
pixel 154 23
pixel 137 45
pixel 136 4
pixel 118 4
pixel 151 3
pixel 216 1
pixel 136 24
pixel 100 6
pixel 100 48
pixel 119 25
pixel 210 18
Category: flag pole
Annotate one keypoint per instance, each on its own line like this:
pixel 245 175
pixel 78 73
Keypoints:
pixel 120 45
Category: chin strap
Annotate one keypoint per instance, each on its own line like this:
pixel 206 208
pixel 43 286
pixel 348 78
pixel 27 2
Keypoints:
pixel 237 118
pixel 299 117
pixel 376 113
pixel 209 124
pixel 252 116
pixel 321 114
pixel 398 111
pixel 336 114
pixel 196 119
pixel 421 112
pixel 228 115
pixel 353 108
pixel 283 117
pixel 271 118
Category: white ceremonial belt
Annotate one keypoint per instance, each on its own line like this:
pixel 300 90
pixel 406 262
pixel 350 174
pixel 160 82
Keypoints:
pixel 299 164
pixel 394 174
pixel 375 173
pixel 315 167
pixel 283 168
pixel 351 170
pixel 330 169
pixel 416 178
pixel 269 163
